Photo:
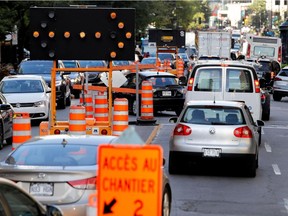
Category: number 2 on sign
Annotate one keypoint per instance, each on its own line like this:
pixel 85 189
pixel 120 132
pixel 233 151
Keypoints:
pixel 139 206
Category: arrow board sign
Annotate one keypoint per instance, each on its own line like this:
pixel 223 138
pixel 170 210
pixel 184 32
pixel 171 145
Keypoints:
pixel 129 180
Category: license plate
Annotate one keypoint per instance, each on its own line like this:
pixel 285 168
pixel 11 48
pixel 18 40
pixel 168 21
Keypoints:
pixel 41 189
pixel 166 93
pixel 210 152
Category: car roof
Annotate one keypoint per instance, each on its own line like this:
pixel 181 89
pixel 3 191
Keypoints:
pixel 23 77
pixel 216 103
pixel 71 139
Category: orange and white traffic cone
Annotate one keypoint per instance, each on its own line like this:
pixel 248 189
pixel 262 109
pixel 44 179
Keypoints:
pixel 101 111
pixel 120 116
pixel 147 111
pixel 77 120
pixel 180 67
pixel 88 104
pixel 21 129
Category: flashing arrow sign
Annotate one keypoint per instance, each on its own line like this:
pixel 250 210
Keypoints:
pixel 129 180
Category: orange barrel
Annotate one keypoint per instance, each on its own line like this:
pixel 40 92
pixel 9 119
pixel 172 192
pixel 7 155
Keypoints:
pixel 120 116
pixel 44 128
pixel 180 68
pixel 147 111
pixel 167 64
pixel 77 120
pixel 88 104
pixel 91 209
pixel 100 106
pixel 21 129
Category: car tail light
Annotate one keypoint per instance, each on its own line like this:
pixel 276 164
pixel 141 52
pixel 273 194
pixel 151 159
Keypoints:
pixel 181 129
pixel 263 98
pixel 277 79
pixel 89 183
pixel 190 84
pixel 57 131
pixel 248 51
pixel 104 132
pixel 243 132
pixel 279 54
pixel 257 86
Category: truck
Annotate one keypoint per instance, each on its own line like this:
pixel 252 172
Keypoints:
pixel 213 44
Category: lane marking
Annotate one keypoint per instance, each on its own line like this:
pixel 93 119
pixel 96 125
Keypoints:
pixel 276 169
pixel 286 204
pixel 267 147
pixel 153 134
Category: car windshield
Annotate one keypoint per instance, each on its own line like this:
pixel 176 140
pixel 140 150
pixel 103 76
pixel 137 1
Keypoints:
pixel 148 61
pixel 164 56
pixel 70 64
pixel 54 155
pixel 95 63
pixel 120 63
pixel 31 67
pixel 213 115
pixel 162 81
pixel 21 86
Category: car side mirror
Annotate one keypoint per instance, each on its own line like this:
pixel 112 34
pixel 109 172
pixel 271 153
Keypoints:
pixel 260 123
pixel 173 119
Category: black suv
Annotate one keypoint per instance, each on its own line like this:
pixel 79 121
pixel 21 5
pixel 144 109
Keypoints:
pixel 168 95
pixel 43 68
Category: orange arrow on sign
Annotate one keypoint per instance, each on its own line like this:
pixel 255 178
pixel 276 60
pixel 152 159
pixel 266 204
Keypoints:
pixel 129 180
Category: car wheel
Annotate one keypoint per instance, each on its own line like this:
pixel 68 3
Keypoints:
pixel 62 104
pixel 172 163
pixel 277 97
pixel 133 108
pixel 251 167
pixel 68 100
pixel 9 141
pixel 166 202
pixel 266 115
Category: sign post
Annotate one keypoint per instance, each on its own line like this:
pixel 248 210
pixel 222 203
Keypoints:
pixel 129 180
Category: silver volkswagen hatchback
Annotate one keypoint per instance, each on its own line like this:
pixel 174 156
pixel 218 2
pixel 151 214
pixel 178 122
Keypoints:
pixel 215 130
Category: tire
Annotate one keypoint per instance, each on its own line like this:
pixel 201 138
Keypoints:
pixel 68 100
pixel 133 109
pixel 173 163
pixel 166 202
pixel 277 97
pixel 251 167
pixel 9 141
pixel 266 115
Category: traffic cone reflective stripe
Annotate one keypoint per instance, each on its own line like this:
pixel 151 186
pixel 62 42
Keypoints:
pixel 147 111
pixel 120 116
pixel 77 120
pixel 88 104
pixel 180 68
pixel 101 106
pixel 21 129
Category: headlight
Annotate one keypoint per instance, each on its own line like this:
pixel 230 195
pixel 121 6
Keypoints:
pixel 39 103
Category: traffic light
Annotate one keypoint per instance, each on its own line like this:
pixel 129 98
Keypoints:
pixel 82 33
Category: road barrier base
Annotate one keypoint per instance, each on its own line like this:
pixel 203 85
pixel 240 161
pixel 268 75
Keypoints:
pixel 146 121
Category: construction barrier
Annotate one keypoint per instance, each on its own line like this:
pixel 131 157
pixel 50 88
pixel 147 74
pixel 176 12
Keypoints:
pixel 101 106
pixel 88 103
pixel 167 65
pixel 44 128
pixel 147 112
pixel 120 116
pixel 91 209
pixel 180 67
pixel 21 129
pixel 77 120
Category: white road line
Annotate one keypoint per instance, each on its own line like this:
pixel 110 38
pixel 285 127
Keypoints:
pixel 276 169
pixel 286 204
pixel 267 147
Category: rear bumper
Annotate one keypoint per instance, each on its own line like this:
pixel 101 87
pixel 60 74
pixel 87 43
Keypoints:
pixel 168 104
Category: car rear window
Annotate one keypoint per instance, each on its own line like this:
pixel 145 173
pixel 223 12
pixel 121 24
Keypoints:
pixel 213 115
pixel 208 79
pixel 31 67
pixel 162 81
pixel 238 80
pixel 54 155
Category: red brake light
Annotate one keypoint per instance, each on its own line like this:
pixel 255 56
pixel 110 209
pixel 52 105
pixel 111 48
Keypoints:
pixel 190 84
pixel 257 86
pixel 243 132
pixel 277 79
pixel 181 129
pixel 104 132
pixel 57 131
pixel 248 51
pixel 89 183
pixel 279 54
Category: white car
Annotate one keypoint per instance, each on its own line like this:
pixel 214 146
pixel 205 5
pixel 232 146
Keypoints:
pixel 27 94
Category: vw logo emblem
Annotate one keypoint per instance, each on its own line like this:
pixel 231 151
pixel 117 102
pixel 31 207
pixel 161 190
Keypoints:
pixel 18 105
pixel 212 130
pixel 41 175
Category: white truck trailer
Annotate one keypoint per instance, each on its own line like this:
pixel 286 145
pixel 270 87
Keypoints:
pixel 213 44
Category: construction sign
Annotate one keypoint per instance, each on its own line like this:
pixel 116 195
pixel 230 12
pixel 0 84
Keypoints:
pixel 129 180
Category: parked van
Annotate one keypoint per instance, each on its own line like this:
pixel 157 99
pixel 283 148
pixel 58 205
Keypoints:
pixel 225 80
